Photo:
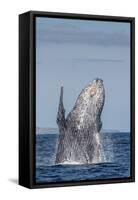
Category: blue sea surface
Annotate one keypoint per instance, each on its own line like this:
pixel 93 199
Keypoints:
pixel 117 152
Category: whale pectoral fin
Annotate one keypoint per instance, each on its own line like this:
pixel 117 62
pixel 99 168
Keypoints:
pixel 61 121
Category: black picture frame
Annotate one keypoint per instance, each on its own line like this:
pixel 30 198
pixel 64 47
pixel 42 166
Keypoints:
pixel 27 100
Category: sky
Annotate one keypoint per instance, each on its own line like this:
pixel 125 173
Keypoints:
pixel 72 53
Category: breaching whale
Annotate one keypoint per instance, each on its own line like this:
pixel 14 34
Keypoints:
pixel 79 132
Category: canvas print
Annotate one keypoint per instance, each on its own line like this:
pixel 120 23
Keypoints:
pixel 82 100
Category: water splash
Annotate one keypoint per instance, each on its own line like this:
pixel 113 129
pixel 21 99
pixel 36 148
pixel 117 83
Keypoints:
pixel 99 154
pixel 108 147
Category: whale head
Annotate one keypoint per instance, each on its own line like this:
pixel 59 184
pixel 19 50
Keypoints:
pixel 96 93
pixel 91 99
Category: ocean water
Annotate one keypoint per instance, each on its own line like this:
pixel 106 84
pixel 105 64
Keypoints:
pixel 117 165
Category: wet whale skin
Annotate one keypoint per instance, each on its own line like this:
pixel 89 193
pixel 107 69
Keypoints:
pixel 79 133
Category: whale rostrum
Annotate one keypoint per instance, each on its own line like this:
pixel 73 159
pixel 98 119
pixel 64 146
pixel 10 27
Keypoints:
pixel 79 133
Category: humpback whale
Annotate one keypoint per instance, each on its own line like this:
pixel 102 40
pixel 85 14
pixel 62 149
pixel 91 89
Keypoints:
pixel 79 133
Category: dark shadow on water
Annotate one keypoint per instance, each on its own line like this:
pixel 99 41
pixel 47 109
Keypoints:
pixel 13 180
